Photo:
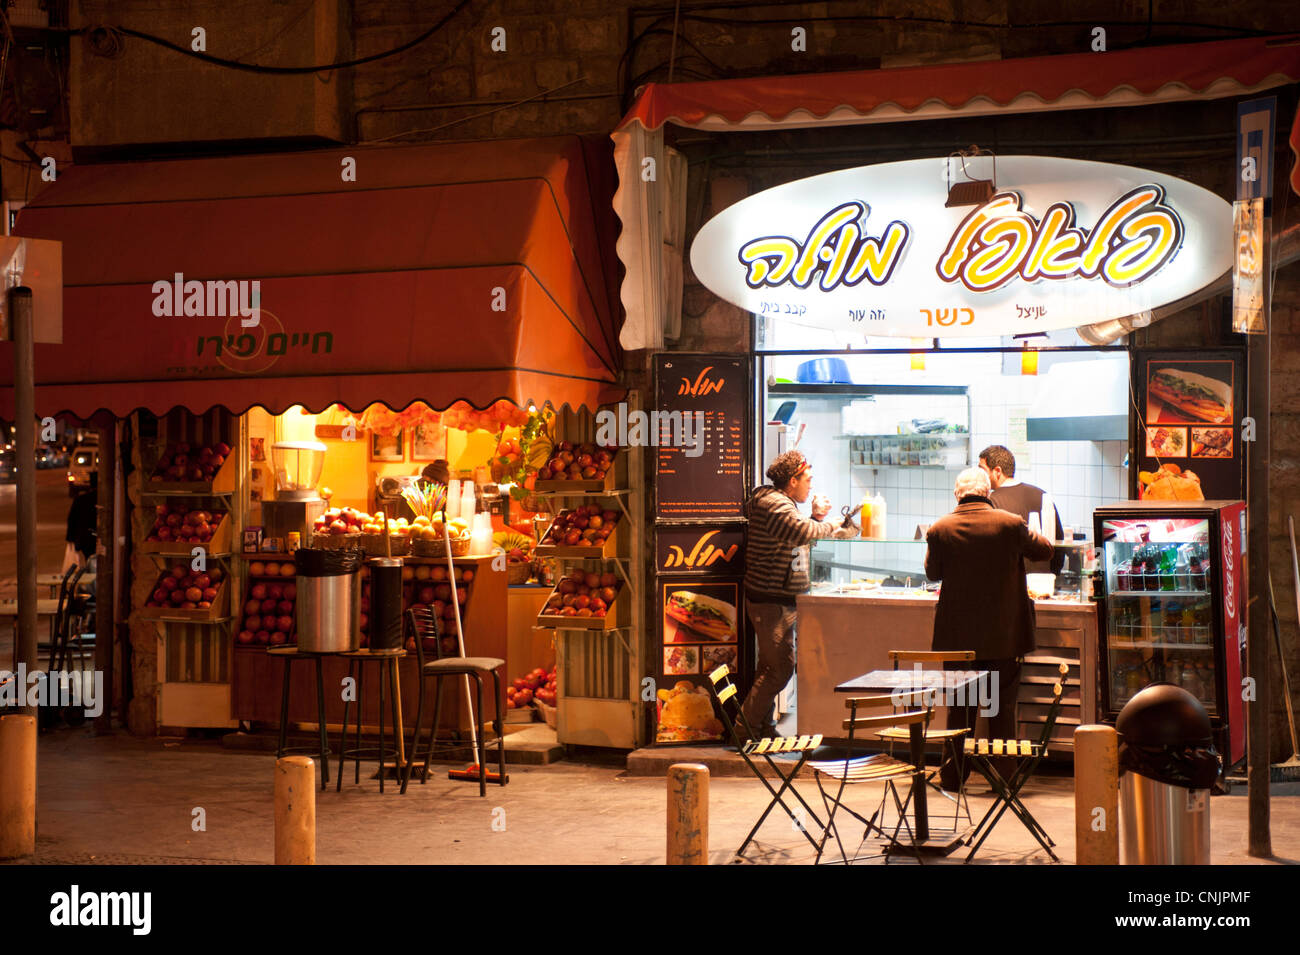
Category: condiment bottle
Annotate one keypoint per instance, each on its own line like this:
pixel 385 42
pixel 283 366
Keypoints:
pixel 878 517
pixel 864 515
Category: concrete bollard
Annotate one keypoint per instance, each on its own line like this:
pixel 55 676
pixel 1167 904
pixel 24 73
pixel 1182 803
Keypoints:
pixel 1096 795
pixel 688 814
pixel 17 786
pixel 295 811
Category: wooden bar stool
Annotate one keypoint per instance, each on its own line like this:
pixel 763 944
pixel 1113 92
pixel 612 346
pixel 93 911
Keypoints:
pixel 289 655
pixel 387 661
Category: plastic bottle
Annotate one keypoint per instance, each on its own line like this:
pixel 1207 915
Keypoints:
pixel 878 508
pixel 864 515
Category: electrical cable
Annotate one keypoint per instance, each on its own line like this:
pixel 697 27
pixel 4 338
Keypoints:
pixel 107 41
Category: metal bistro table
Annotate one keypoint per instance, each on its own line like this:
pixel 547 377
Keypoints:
pixel 944 683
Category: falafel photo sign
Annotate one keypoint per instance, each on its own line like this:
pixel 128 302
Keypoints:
pixel 1188 439
pixel 700 626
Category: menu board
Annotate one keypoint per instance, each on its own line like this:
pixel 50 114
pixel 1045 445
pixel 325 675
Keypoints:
pixel 700 627
pixel 1190 405
pixel 701 401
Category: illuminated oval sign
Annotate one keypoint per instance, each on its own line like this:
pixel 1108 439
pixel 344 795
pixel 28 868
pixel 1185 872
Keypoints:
pixel 1060 243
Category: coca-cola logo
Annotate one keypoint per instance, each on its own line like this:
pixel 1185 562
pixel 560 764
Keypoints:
pixel 1229 574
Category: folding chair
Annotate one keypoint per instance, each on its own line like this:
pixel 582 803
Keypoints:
pixel 1029 754
pixel 948 739
pixel 879 767
pixel 725 693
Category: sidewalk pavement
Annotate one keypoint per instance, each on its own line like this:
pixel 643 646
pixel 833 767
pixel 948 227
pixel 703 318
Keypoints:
pixel 120 800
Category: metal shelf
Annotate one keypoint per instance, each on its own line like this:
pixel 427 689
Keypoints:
pixel 1159 593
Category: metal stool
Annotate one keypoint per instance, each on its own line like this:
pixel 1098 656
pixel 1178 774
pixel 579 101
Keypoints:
pixel 289 655
pixel 422 624
pixel 387 660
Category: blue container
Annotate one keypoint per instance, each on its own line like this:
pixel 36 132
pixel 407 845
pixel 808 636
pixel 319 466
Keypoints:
pixel 824 371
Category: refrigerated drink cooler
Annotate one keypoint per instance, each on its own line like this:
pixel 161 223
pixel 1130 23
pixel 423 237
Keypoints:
pixel 1172 607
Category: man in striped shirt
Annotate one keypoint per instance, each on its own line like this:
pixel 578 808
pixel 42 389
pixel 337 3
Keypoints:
pixel 776 571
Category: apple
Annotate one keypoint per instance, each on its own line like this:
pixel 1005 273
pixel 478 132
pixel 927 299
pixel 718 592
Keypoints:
pixel 189 605
pixel 245 636
pixel 253 622
pixel 262 636
pixel 194 594
pixel 598 604
pixel 216 574
pixel 159 596
pixel 607 594
pixel 595 521
pixel 253 607
pixel 582 601
pixel 284 606
pixel 268 607
pixel 209 594
pixel 284 623
pixel 258 591
pixel 275 591
pixel 572 537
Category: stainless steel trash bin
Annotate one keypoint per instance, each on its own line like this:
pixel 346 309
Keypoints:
pixel 1167 764
pixel 328 605
pixel 1162 824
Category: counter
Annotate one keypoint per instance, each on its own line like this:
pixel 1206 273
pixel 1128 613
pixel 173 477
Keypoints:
pixel 841 636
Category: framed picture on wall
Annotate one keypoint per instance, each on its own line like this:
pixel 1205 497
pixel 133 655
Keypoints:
pixel 428 442
pixel 388 447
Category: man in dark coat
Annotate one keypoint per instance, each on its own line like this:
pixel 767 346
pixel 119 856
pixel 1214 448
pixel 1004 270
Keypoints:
pixel 979 552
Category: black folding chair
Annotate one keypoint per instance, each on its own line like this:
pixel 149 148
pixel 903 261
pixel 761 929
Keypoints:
pixel 857 767
pixel 725 692
pixel 1028 754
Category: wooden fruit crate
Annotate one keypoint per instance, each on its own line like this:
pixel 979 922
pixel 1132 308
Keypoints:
pixel 608 622
pixel 608 549
pixel 219 543
pixel 613 479
pixel 223 482
pixel 217 611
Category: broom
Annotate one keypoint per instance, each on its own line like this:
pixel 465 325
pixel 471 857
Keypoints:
pixel 469 773
pixel 1289 769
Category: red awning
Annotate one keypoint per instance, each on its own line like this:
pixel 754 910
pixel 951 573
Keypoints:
pixel 1073 81
pixel 1146 76
pixel 474 271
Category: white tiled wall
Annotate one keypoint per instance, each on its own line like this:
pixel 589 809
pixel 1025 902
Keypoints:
pixel 1080 474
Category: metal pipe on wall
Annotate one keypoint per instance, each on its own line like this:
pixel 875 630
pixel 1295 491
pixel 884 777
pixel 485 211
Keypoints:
pixel 21 312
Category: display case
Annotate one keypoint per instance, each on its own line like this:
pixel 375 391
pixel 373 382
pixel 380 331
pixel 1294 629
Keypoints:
pixel 856 565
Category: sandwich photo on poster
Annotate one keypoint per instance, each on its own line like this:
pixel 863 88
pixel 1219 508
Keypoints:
pixel 692 616
pixel 1189 392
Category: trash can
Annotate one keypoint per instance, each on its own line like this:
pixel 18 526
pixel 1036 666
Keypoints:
pixel 385 603
pixel 1167 763
pixel 328 604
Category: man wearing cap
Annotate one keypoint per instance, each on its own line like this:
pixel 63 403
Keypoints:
pixel 776 572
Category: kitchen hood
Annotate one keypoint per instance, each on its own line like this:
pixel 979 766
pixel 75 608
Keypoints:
pixel 1082 401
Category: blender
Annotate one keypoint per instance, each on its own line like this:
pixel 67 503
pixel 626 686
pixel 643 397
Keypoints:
pixel 297 504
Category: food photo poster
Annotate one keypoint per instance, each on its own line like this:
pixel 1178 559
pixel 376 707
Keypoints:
pixel 701 625
pixel 1188 442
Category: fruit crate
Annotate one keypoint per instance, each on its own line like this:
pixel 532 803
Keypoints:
pixel 549 548
pixel 611 620
pixel 204 615
pixel 218 543
pixel 614 476
pixel 223 482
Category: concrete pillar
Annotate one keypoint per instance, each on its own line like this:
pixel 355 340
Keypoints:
pixel 688 814
pixel 17 786
pixel 1096 795
pixel 295 810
